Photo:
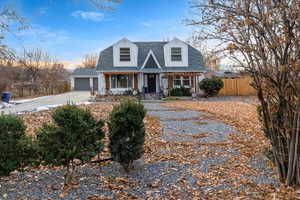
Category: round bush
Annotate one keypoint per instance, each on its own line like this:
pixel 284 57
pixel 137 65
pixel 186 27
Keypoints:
pixel 75 134
pixel 14 145
pixel 127 133
pixel 211 86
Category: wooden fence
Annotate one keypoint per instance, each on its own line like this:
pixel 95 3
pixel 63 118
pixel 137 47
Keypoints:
pixel 237 87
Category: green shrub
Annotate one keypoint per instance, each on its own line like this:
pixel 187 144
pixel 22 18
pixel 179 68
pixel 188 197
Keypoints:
pixel 128 92
pixel 127 133
pixel 171 99
pixel 75 134
pixel 211 86
pixel 180 92
pixel 16 148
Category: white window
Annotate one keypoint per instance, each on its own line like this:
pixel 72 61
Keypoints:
pixel 184 81
pixel 124 54
pixel 121 81
pixel 176 54
pixel 177 81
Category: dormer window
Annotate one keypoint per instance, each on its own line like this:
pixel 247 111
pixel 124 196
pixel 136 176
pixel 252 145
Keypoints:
pixel 124 54
pixel 176 54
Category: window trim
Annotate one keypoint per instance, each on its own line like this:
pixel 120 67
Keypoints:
pixel 176 54
pixel 182 81
pixel 189 79
pixel 124 54
pixel 116 84
pixel 176 79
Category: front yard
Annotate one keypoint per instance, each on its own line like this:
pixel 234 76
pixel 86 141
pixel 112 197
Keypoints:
pixel 193 150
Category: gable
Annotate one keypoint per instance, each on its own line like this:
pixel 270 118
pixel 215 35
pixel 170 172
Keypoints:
pixel 184 52
pixel 130 57
pixel 156 47
pixel 151 64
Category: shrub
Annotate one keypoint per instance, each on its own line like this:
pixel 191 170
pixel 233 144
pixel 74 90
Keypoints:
pixel 182 91
pixel 211 86
pixel 16 148
pixel 75 134
pixel 127 133
pixel 171 99
pixel 128 92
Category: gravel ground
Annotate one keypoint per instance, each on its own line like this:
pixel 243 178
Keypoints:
pixel 178 128
pixel 158 177
pixel 48 184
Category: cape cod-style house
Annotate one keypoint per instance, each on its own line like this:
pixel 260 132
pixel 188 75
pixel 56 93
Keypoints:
pixel 148 67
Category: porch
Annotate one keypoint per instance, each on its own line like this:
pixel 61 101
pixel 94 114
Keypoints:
pixel 182 79
pixel 147 82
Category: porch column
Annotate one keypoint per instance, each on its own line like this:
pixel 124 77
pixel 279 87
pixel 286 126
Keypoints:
pixel 107 85
pixel 135 82
pixel 101 84
pixel 91 84
pixel 145 80
pixel 140 81
pixel 192 78
pixel 157 83
pixel 72 83
pixel 196 84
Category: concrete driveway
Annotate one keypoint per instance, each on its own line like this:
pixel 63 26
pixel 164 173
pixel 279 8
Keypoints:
pixel 48 101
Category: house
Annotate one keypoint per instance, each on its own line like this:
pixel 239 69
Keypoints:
pixel 149 67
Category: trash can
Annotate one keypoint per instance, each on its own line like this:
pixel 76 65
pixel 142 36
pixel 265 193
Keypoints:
pixel 5 97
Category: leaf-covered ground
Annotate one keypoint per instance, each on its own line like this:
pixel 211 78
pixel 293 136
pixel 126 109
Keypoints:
pixel 193 150
pixel 251 145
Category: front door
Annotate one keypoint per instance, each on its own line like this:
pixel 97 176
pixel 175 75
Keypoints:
pixel 152 83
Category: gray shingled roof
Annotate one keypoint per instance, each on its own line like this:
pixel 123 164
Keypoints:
pixel 84 72
pixel 105 62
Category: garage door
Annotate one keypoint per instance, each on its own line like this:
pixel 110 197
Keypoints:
pixel 95 84
pixel 82 84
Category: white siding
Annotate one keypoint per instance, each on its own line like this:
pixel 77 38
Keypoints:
pixel 176 43
pixel 124 43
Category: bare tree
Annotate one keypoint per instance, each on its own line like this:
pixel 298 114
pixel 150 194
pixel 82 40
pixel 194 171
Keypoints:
pixel 34 61
pixel 10 23
pixel 52 79
pixel 263 36
pixel 89 61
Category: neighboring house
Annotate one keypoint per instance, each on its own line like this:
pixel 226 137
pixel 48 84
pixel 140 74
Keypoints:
pixel 150 67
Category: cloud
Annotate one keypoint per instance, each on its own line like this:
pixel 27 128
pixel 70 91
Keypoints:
pixel 145 24
pixel 43 35
pixel 42 11
pixel 93 16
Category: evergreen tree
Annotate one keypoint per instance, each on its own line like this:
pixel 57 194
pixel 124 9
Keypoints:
pixel 127 133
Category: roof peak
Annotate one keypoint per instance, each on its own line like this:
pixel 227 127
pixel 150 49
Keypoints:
pixel 151 42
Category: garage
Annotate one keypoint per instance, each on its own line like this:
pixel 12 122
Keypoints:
pixel 82 84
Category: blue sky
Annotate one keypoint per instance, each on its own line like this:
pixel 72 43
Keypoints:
pixel 69 29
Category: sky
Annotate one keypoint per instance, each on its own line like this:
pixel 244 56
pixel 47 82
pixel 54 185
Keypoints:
pixel 70 29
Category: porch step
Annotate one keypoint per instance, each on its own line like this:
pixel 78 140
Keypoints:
pixel 152 97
